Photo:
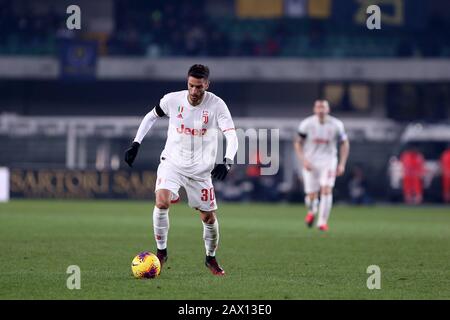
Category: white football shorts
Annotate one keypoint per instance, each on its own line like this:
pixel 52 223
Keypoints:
pixel 200 193
pixel 322 175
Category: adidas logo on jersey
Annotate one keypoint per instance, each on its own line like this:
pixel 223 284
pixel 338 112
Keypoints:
pixel 191 132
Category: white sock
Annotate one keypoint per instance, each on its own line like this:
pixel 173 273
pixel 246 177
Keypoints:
pixel 161 227
pixel 312 206
pixel 308 203
pixel 326 202
pixel 315 206
pixel 211 237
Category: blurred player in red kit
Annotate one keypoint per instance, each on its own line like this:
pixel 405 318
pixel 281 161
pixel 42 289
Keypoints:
pixel 445 167
pixel 413 171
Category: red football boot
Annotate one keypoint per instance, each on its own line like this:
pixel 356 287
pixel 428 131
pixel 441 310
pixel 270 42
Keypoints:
pixel 211 264
pixel 162 256
pixel 309 219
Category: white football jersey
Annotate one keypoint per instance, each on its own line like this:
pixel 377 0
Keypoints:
pixel 192 135
pixel 321 139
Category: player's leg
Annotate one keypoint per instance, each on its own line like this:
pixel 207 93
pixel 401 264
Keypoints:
pixel 410 190
pixel 326 203
pixel 312 205
pixel 407 189
pixel 210 232
pixel 446 187
pixel 201 197
pixel 161 222
pixel 327 179
pixel 311 187
pixel 166 191
pixel 211 239
pixel 418 190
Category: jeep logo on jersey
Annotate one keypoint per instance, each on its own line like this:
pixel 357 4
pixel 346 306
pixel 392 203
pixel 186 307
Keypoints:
pixel 180 112
pixel 191 132
pixel 205 117
pixel 321 141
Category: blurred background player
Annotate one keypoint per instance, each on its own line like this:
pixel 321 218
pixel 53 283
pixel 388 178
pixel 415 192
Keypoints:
pixel 445 168
pixel 189 156
pixel 413 165
pixel 316 149
pixel 358 187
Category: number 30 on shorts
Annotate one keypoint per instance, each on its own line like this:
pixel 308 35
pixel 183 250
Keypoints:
pixel 208 194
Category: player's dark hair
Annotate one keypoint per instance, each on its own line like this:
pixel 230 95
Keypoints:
pixel 199 71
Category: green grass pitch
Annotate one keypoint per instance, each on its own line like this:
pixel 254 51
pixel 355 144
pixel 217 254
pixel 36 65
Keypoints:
pixel 266 250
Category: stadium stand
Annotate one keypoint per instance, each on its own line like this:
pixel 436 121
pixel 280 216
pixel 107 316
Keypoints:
pixel 164 29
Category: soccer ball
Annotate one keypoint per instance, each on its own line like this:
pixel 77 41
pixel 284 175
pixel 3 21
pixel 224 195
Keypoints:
pixel 146 265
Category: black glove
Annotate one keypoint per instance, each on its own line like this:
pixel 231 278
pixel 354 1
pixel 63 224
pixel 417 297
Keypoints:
pixel 131 153
pixel 220 171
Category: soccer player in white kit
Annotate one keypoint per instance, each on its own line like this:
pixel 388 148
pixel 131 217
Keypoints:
pixel 189 157
pixel 316 148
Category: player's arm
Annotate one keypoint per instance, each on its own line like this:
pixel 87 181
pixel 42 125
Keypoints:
pixel 145 126
pixel 226 124
pixel 298 147
pixel 344 150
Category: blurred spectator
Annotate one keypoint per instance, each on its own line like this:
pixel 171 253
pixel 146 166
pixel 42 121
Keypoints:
pixel 316 34
pixel 195 39
pixel 413 165
pixel 247 47
pixel 445 168
pixel 131 43
pixel 357 187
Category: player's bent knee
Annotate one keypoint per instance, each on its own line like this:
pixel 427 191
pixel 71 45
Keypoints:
pixel 312 195
pixel 163 199
pixel 326 190
pixel 208 217
pixel 162 204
